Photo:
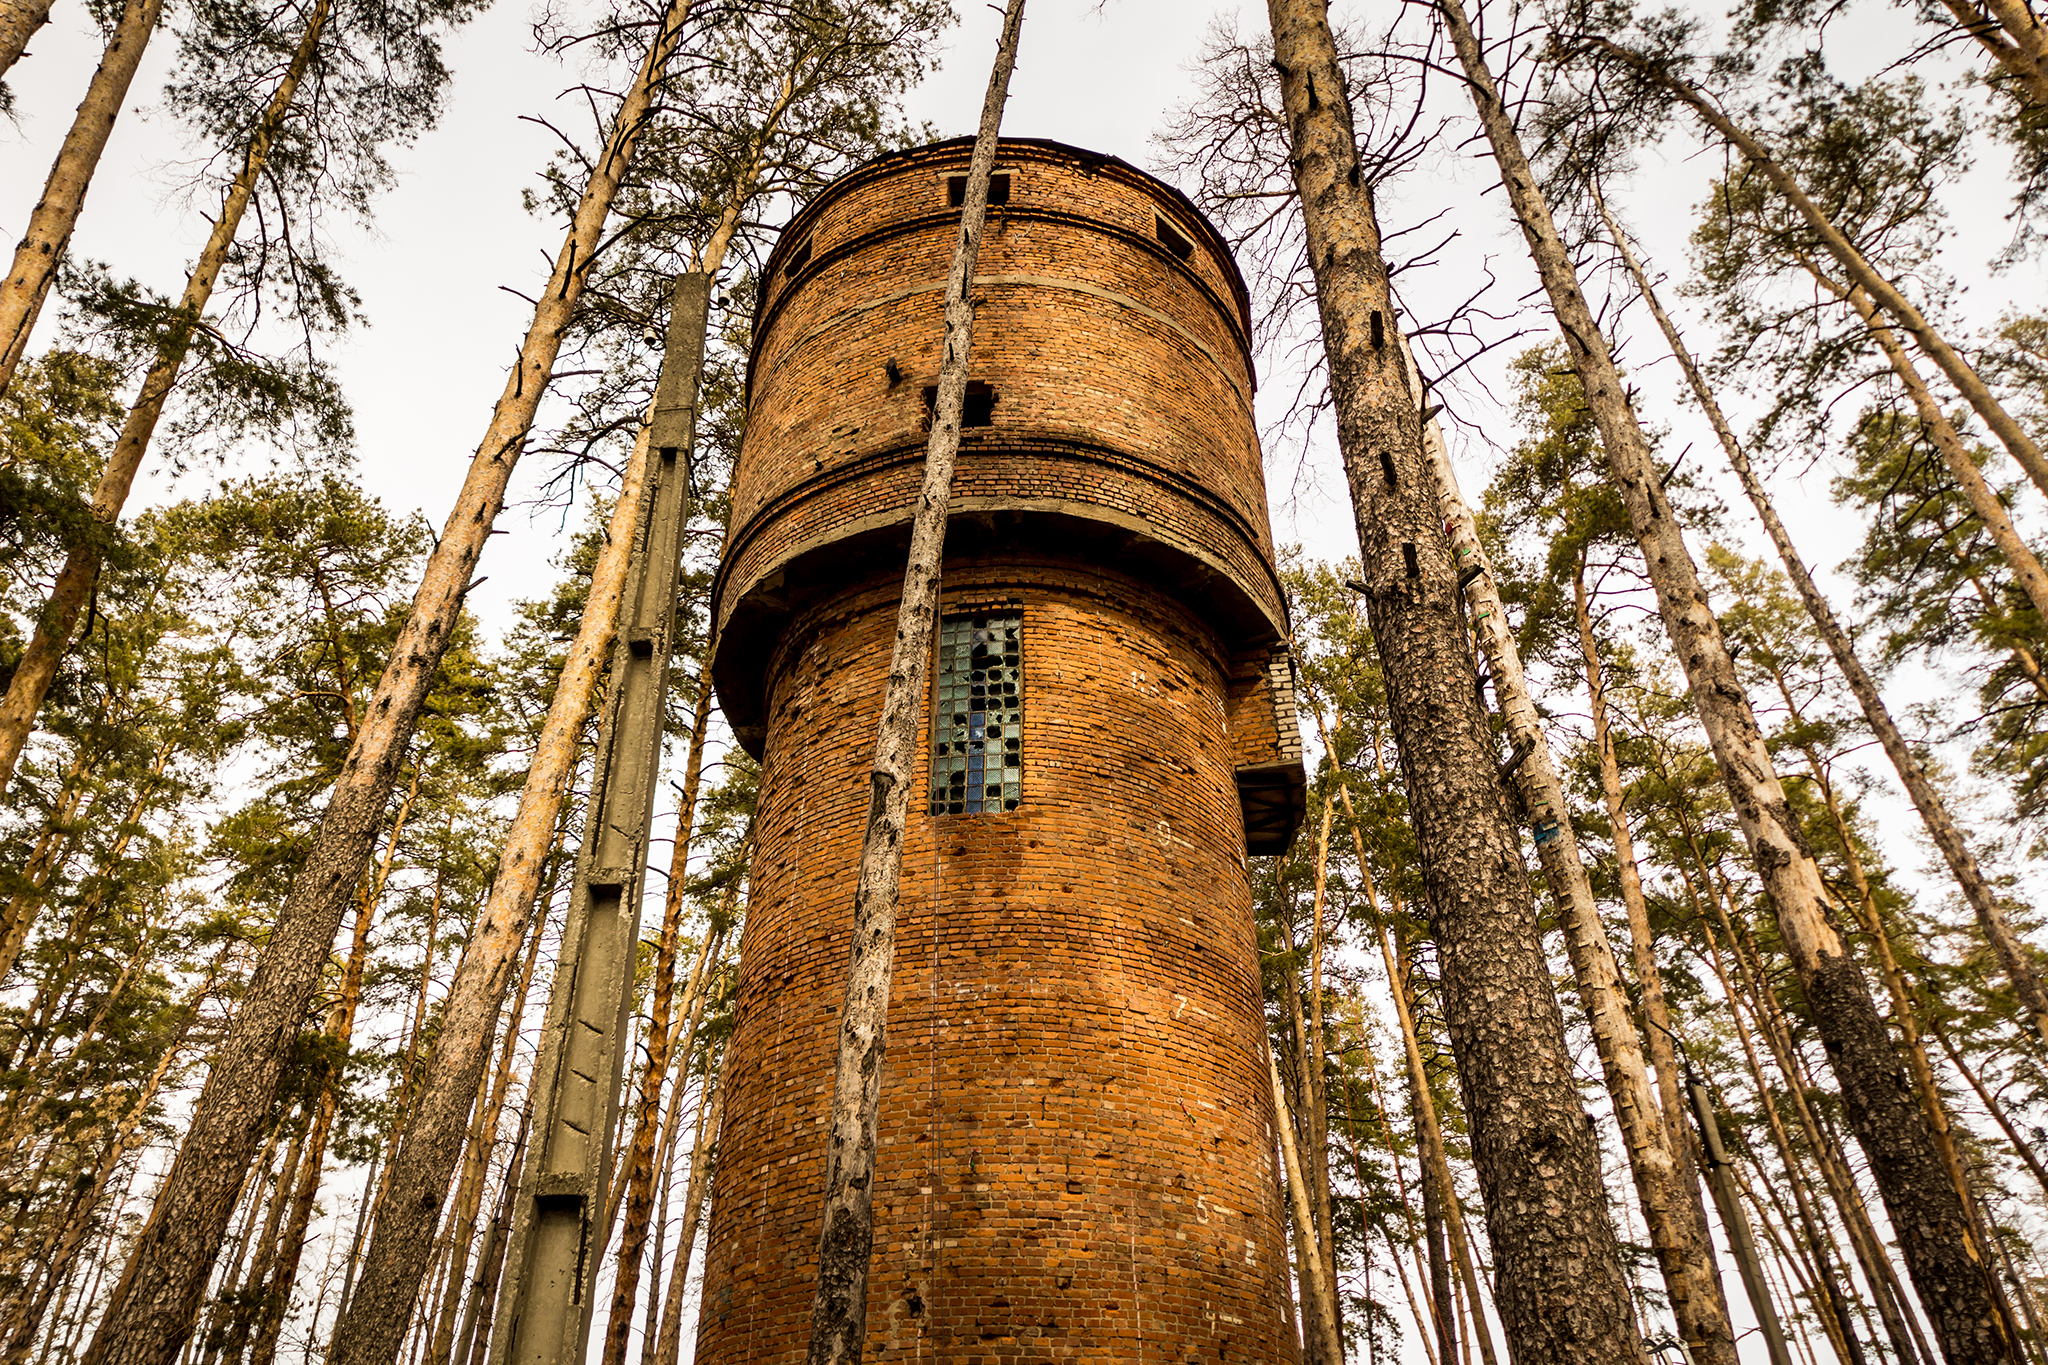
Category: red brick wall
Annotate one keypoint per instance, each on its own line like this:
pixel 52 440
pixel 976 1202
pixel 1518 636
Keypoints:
pixel 1123 376
pixel 1076 1158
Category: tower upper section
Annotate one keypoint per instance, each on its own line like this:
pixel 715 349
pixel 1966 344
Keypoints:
pixel 1109 412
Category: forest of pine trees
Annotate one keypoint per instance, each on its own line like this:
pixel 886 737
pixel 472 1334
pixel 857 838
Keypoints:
pixel 1714 794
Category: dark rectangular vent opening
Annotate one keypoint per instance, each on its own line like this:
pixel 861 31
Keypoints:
pixel 998 189
pixel 1171 239
pixel 978 411
pixel 799 257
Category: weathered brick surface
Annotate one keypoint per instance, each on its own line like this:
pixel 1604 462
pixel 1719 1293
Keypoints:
pixel 1077 1141
pixel 1076 1119
pixel 1123 376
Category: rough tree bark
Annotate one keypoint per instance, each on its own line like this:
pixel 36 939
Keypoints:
pixel 50 223
pixel 19 21
pixel 1956 1289
pixel 1659 1159
pixel 1858 271
pixel 401 1244
pixel 1561 1293
pixel 847 1229
pixel 68 594
pixel 152 1307
pixel 1429 1126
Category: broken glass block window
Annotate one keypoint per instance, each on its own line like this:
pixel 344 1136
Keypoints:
pixel 978 716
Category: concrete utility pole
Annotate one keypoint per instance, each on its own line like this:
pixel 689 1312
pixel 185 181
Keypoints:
pixel 560 1218
pixel 1736 1223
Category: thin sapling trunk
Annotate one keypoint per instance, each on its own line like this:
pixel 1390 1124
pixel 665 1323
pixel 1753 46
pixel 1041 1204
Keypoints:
pixel 847 1230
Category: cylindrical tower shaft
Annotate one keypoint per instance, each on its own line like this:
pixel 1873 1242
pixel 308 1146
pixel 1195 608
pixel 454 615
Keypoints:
pixel 1077 1142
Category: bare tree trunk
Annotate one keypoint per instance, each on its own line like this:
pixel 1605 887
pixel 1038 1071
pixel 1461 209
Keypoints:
pixel 2015 39
pixel 371 1331
pixel 1845 1335
pixel 1996 1110
pixel 2019 556
pixel 49 225
pixel 1869 1257
pixel 1319 1296
pixel 1667 1187
pixel 1316 1058
pixel 669 1344
pixel 341 1021
pixel 847 1228
pixel 151 1312
pixel 1315 1241
pixel 1430 1128
pixel 1957 1291
pixel 1440 1297
pixel 1561 1293
pixel 2013 957
pixel 1858 271
pixel 473 1338
pixel 38 666
pixel 19 20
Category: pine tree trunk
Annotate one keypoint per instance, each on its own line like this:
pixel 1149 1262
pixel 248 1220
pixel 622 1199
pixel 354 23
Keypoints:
pixel 2016 40
pixel 1667 1187
pixel 1430 1128
pixel 2019 556
pixel 1319 1295
pixel 476 1159
pixel 372 1331
pixel 19 21
pixel 340 1030
pixel 2013 956
pixel 1561 1293
pixel 74 582
pixel 1363 1046
pixel 1858 271
pixel 847 1228
pixel 1870 1259
pixel 57 1255
pixel 1427 1324
pixel 53 845
pixel 666 1341
pixel 1315 1239
pixel 669 1344
pixel 43 245
pixel 1440 1297
pixel 1844 1330
pixel 152 1308
pixel 473 1339
pixel 1956 1290
pixel 1996 1110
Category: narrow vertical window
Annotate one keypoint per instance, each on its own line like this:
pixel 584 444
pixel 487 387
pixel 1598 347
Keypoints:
pixel 978 718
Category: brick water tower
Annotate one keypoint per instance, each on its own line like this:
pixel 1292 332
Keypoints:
pixel 1076 1156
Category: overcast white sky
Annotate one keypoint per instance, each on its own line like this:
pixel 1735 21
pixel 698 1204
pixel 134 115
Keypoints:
pixel 451 238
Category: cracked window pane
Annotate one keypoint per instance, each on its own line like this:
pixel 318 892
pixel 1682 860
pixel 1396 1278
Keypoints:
pixel 978 716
